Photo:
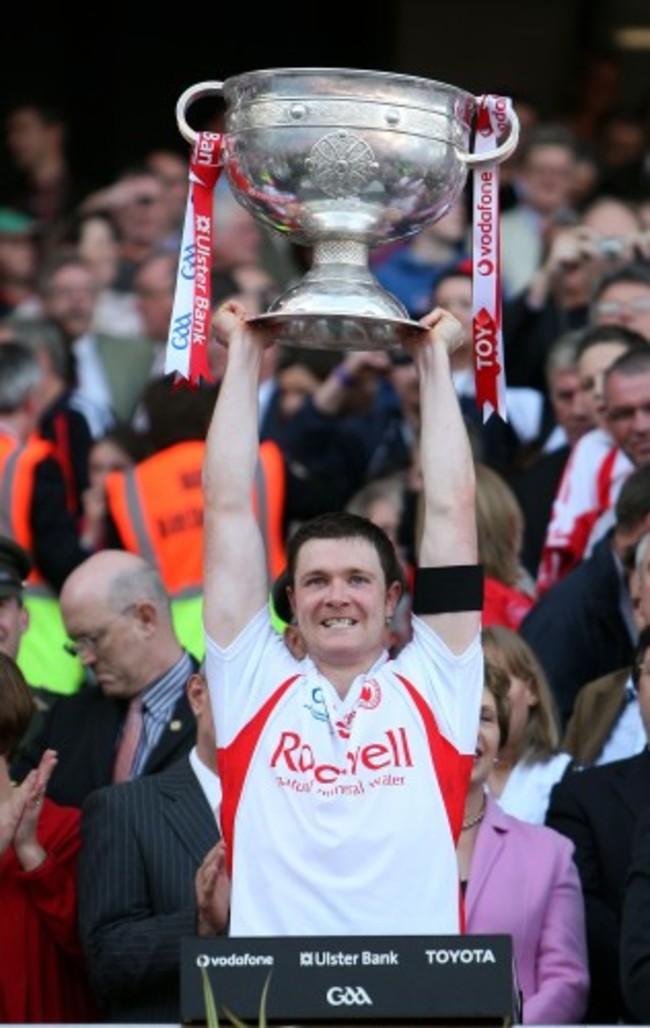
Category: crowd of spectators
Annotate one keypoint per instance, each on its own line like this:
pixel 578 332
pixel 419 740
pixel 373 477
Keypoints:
pixel 101 518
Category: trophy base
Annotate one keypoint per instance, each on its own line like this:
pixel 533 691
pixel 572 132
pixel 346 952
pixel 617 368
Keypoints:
pixel 331 331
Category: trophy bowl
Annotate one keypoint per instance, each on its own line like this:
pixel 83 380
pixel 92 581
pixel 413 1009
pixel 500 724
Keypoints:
pixel 342 161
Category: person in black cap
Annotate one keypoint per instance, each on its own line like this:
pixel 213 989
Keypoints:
pixel 15 566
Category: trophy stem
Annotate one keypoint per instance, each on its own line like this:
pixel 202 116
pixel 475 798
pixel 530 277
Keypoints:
pixel 339 303
pixel 341 251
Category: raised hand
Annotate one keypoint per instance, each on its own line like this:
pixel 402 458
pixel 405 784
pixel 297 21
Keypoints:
pixel 444 328
pixel 212 891
pixel 12 808
pixel 28 850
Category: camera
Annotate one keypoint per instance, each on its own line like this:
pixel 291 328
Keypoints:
pixel 611 247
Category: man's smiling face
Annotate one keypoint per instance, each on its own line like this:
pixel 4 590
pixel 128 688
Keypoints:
pixel 340 600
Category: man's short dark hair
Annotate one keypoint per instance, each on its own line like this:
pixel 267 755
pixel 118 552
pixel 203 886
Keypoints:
pixel 597 334
pixel 632 505
pixel 635 272
pixel 633 362
pixel 343 525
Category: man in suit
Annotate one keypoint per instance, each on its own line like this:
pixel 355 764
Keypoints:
pixel 108 371
pixel 635 925
pixel 118 617
pixel 606 721
pixel 598 809
pixel 583 627
pixel 152 870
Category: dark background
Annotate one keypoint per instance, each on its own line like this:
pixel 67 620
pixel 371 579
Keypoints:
pixel 118 86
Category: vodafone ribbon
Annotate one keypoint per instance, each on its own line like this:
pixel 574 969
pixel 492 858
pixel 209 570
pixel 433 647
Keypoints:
pixel 493 120
pixel 189 329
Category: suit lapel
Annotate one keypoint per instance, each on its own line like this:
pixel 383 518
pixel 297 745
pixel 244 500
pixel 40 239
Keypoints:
pixel 177 736
pixel 632 782
pixel 188 811
pixel 104 727
pixel 127 366
pixel 487 850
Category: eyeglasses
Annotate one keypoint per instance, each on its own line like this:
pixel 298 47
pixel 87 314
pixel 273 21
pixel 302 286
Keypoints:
pixel 614 308
pixel 90 644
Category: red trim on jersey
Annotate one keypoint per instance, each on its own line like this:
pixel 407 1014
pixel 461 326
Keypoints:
pixel 453 770
pixel 233 762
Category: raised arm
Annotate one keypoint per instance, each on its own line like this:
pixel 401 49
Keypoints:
pixel 449 522
pixel 234 564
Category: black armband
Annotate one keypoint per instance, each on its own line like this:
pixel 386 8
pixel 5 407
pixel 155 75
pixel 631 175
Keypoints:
pixel 448 590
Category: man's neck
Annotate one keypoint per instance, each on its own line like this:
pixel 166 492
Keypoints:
pixel 343 677
pixel 13 425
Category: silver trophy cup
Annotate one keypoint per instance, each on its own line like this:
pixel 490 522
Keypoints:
pixel 342 161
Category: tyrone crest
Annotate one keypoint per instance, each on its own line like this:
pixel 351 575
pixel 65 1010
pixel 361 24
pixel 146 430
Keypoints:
pixel 370 694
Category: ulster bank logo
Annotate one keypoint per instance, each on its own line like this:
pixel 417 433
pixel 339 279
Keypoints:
pixel 348 996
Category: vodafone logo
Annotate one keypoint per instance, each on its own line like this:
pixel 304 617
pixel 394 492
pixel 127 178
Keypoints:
pixel 500 112
pixel 485 266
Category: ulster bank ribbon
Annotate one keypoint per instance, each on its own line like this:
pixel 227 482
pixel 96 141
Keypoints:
pixel 493 121
pixel 189 329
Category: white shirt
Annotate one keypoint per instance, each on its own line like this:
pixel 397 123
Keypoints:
pixel 627 737
pixel 528 788
pixel 209 782
pixel 525 406
pixel 555 440
pixel 93 384
pixel 336 812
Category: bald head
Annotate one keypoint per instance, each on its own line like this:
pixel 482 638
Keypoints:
pixel 117 578
pixel 118 615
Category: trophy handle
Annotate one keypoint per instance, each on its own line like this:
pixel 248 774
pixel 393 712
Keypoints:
pixel 189 96
pixel 475 160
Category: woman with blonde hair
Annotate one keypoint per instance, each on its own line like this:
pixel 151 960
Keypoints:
pixel 529 762
pixel 509 591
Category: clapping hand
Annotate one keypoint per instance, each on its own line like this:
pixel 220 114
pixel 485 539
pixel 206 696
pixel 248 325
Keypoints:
pixel 212 890
pixel 27 805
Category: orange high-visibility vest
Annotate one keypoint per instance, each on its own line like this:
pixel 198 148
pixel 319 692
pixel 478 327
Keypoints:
pixel 157 507
pixel 41 656
pixel 269 497
pixel 18 462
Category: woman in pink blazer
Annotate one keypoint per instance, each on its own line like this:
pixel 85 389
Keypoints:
pixel 519 879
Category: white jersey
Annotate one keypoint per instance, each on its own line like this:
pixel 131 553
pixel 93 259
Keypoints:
pixel 588 490
pixel 341 816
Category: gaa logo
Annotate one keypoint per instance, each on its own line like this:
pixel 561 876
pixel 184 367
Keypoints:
pixel 350 996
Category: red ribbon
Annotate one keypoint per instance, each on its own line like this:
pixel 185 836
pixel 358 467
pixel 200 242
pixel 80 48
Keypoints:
pixel 486 359
pixel 205 169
